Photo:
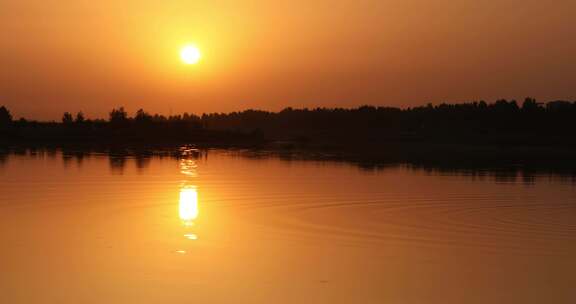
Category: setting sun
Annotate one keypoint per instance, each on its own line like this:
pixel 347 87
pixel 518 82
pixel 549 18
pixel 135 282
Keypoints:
pixel 190 54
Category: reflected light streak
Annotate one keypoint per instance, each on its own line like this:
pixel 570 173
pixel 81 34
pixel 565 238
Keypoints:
pixel 188 205
pixel 191 236
pixel 188 167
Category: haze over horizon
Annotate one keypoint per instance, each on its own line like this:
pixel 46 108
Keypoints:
pixel 61 56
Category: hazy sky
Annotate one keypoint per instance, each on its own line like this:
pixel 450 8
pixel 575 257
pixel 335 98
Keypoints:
pixel 87 55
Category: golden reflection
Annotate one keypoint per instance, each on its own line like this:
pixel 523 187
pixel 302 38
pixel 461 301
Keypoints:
pixel 191 236
pixel 188 205
pixel 188 202
pixel 188 167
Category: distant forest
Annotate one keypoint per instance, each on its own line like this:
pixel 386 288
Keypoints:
pixel 503 122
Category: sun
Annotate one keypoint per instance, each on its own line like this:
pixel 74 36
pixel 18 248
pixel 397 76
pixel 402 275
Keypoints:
pixel 190 54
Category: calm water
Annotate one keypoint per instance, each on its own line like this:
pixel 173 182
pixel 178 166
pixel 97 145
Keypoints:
pixel 230 227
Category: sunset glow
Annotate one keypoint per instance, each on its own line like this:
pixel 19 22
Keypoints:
pixel 305 151
pixel 204 56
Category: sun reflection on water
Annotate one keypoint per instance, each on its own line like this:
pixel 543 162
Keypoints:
pixel 188 167
pixel 188 200
pixel 188 205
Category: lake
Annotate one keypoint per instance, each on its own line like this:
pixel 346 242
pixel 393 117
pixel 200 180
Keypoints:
pixel 236 226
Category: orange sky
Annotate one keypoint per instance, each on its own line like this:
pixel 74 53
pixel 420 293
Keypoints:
pixel 85 55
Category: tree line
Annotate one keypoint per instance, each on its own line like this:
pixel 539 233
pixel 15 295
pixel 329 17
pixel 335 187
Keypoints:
pixel 502 122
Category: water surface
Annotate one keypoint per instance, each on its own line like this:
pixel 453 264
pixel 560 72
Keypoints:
pixel 229 227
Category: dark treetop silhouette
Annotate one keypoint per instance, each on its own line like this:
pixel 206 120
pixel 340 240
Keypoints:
pixel 501 123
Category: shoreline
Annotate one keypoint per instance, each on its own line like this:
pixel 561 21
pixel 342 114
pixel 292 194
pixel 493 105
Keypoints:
pixel 558 158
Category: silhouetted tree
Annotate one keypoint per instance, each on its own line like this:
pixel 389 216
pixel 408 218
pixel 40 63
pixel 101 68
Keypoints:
pixel 79 118
pixel 67 118
pixel 504 106
pixel 482 105
pixel 559 106
pixel 530 105
pixel 118 117
pixel 5 116
pixel 142 117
